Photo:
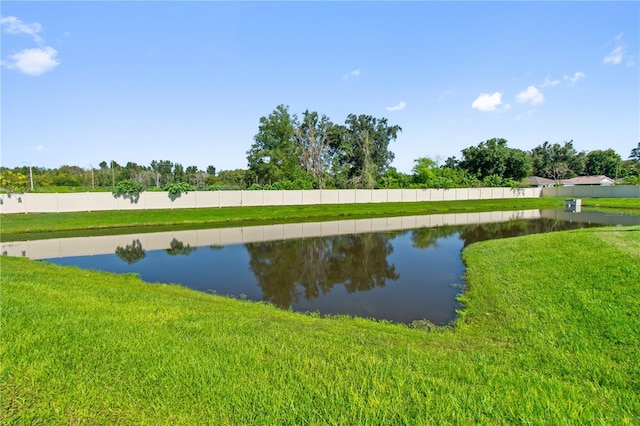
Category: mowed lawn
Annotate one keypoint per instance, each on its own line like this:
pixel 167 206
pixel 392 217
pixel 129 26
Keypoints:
pixel 550 334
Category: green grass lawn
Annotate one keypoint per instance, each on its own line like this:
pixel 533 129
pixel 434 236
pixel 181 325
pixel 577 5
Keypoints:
pixel 549 334
pixel 14 227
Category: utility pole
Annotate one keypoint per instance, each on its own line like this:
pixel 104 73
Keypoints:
pixel 93 185
pixel 30 173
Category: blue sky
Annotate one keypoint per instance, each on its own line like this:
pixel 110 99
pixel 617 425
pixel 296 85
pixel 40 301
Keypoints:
pixel 85 82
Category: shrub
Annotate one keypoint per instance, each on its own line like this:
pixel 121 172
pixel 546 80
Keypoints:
pixel 128 188
pixel 177 189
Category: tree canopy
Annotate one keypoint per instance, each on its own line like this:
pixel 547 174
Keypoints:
pixel 603 162
pixel 635 154
pixel 274 155
pixel 286 148
pixel 364 148
pixel 557 162
pixel 493 158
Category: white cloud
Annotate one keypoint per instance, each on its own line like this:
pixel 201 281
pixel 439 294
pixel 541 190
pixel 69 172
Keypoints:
pixel 577 76
pixel 39 148
pixel 398 107
pixel 13 25
pixel 531 96
pixel 617 54
pixel 34 61
pixel 547 82
pixel 354 73
pixel 487 102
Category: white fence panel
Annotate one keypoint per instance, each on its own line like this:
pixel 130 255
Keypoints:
pixel 450 194
pixel 423 194
pixel 252 198
pixel 380 196
pixel 394 195
pixel 207 199
pixel 273 198
pixel 311 197
pixel 292 198
pixel 12 203
pixel 231 198
pixel 474 193
pixel 155 200
pixel 347 196
pixel 409 195
pixel 363 195
pixel 74 202
pixel 184 201
pixel 41 202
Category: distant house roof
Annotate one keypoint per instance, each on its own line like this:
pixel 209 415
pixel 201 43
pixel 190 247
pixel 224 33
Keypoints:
pixel 540 181
pixel 588 180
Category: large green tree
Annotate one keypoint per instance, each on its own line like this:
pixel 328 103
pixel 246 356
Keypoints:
pixel 557 162
pixel 493 158
pixel 274 156
pixel 162 171
pixel 361 149
pixel 427 174
pixel 13 182
pixel 232 178
pixel 313 136
pixel 178 174
pixel 635 154
pixel 68 176
pixel 603 162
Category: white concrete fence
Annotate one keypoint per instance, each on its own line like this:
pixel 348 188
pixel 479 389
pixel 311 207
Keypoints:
pixel 95 201
pixel 616 191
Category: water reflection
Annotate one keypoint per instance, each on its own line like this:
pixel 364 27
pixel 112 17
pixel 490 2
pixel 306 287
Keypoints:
pixel 131 253
pixel 178 248
pixel 398 269
pixel 289 270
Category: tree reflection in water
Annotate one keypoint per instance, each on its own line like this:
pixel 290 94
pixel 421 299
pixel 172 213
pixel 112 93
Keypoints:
pixel 131 253
pixel 289 270
pixel 178 248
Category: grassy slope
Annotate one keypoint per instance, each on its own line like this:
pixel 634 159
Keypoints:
pixel 549 336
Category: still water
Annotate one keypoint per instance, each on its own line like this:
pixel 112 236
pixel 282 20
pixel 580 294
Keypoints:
pixel 397 269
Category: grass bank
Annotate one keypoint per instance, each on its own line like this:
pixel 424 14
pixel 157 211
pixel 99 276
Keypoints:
pixel 549 335
pixel 48 225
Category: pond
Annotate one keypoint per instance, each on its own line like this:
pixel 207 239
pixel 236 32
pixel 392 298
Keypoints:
pixel 399 269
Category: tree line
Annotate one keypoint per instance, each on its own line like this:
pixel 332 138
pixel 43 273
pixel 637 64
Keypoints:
pixel 313 152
